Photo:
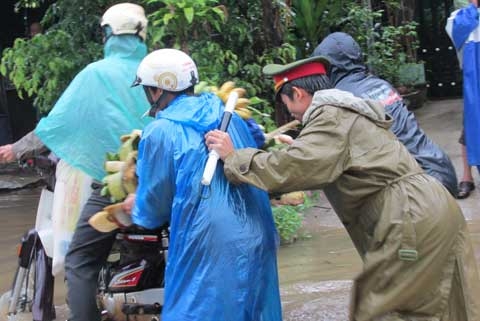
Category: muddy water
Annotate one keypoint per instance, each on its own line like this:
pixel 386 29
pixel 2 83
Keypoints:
pixel 315 272
pixel 17 214
pixel 315 276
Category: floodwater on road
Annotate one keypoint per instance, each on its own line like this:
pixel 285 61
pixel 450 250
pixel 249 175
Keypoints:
pixel 17 215
pixel 315 271
pixel 315 276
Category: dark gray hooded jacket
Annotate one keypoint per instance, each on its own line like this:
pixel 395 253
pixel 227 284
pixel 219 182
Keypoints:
pixel 348 72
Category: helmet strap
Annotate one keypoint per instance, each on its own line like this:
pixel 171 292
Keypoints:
pixel 154 105
pixel 139 28
pixel 107 33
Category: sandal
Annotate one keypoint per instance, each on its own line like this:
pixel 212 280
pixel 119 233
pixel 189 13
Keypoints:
pixel 464 189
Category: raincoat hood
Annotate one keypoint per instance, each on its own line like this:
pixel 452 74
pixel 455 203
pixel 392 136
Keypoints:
pixel 344 54
pixel 338 98
pixel 125 46
pixel 199 112
pixel 97 107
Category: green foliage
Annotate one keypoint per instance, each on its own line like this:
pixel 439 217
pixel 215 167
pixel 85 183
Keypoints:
pixel 176 22
pixel 313 21
pixel 387 54
pixel 288 219
pixel 237 54
pixel 43 66
pixel 386 48
pixel 217 65
pixel 30 4
pixel 359 22
pixel 225 39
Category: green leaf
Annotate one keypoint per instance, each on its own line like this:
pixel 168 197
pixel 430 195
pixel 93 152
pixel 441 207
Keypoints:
pixel 167 17
pixel 219 12
pixel 188 12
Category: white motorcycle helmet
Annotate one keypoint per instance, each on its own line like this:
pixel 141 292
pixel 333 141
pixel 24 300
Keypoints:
pixel 171 70
pixel 126 18
pixel 167 69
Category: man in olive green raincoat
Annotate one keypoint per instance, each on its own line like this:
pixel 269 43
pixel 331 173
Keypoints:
pixel 408 229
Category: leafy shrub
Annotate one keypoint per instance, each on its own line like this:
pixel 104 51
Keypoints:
pixel 385 47
pixel 288 218
pixel 44 66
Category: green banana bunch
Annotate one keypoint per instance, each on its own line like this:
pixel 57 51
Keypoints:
pixel 122 179
pixel 202 87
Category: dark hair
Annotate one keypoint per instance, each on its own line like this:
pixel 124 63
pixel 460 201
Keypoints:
pixel 310 84
pixel 188 91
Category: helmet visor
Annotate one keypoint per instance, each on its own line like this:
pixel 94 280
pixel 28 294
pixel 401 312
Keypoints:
pixel 136 82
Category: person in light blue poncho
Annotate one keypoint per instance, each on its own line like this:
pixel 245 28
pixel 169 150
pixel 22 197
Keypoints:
pixel 222 255
pixel 86 122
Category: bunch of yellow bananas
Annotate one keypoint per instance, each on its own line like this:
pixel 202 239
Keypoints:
pixel 122 179
pixel 241 107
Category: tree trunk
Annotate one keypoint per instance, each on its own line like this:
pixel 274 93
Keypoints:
pixel 272 28
pixel 273 33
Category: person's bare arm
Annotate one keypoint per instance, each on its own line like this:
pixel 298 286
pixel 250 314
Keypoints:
pixel 24 147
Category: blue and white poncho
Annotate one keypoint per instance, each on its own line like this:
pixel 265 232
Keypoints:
pixel 463 29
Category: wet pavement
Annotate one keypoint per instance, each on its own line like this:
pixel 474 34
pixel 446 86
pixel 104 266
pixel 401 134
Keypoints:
pixel 13 176
pixel 316 271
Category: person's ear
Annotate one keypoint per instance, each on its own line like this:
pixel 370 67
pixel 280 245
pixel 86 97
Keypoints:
pixel 295 92
pixel 298 93
pixel 156 92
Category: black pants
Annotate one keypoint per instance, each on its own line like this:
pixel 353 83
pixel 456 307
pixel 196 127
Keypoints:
pixel 88 251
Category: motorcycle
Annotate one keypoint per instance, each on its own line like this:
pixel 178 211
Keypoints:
pixel 130 283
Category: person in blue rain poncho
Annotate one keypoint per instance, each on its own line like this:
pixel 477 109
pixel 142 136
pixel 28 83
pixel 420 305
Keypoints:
pixel 464 31
pixel 86 122
pixel 223 242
